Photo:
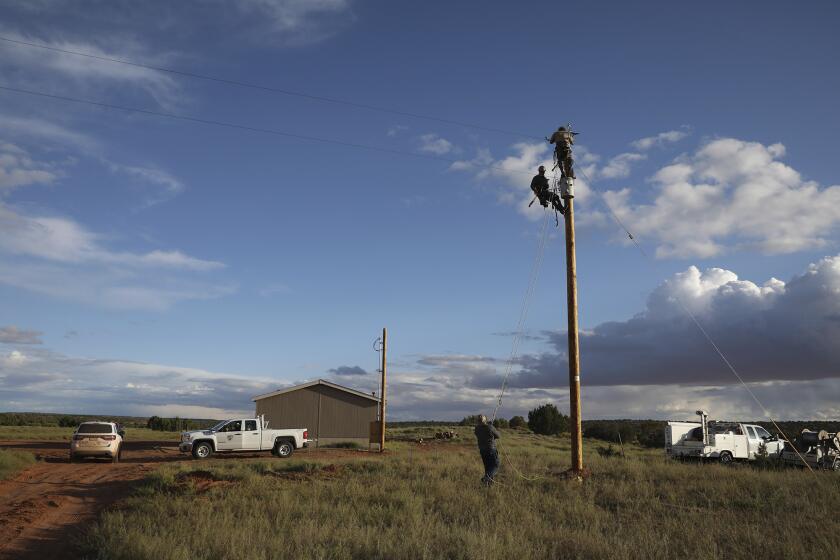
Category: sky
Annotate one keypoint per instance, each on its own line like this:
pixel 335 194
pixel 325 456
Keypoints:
pixel 378 176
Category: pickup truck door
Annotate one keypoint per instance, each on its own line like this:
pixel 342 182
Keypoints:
pixel 773 444
pixel 755 442
pixel 251 435
pixel 230 436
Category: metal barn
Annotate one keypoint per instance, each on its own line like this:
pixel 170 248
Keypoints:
pixel 332 413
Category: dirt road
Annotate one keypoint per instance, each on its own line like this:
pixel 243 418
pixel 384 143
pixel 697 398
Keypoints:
pixel 47 507
pixel 44 509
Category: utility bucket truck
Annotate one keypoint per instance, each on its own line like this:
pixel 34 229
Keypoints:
pixel 721 441
pixel 243 434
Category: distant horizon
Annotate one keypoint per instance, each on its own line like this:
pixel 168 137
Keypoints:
pixel 525 416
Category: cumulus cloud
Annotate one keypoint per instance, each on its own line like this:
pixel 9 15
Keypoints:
pixel 731 194
pixel 659 140
pixel 619 166
pixel 515 171
pixel 434 144
pixel 345 371
pixel 770 332
pixel 13 335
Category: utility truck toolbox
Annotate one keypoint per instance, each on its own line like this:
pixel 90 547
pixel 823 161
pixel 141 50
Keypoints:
pixel 721 441
pixel 243 434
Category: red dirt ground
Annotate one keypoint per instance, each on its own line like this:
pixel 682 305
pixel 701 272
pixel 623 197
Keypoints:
pixel 45 508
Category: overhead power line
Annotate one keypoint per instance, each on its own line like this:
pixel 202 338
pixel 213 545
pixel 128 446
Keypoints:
pixel 271 131
pixel 271 89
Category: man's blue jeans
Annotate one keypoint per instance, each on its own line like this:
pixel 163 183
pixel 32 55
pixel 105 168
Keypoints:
pixel 490 457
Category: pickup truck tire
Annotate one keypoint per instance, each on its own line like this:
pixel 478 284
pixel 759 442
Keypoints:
pixel 283 449
pixel 726 458
pixel 202 450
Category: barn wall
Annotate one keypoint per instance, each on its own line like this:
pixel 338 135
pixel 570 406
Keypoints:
pixel 343 416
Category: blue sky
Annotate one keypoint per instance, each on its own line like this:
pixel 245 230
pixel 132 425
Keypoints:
pixel 150 265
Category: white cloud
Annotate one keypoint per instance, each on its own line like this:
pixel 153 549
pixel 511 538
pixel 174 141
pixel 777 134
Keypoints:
pixel 770 332
pixel 109 286
pixel 515 172
pixel 661 139
pixel 167 184
pixel 396 129
pixel 434 144
pixel 123 387
pixel 300 22
pixel 18 170
pixel 619 166
pixel 782 337
pixel 731 194
pixel 61 258
pixel 41 130
pixel 89 73
pixel 13 359
pixel 64 240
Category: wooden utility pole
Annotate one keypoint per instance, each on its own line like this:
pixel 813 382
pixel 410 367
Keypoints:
pixel 382 394
pixel 574 350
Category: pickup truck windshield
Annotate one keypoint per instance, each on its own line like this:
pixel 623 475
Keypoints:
pixel 762 433
pixel 218 426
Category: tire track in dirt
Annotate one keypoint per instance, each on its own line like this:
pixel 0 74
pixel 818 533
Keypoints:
pixel 46 508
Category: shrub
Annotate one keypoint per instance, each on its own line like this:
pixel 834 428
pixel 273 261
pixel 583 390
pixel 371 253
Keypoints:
pixel 547 420
pixel 517 422
pixel 501 423
pixel 68 422
pixel 471 420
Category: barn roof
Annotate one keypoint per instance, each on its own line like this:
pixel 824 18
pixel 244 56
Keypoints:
pixel 316 382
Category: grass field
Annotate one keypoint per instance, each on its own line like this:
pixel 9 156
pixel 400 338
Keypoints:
pixel 54 433
pixel 13 461
pixel 425 501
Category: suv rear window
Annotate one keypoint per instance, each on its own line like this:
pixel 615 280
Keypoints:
pixel 95 429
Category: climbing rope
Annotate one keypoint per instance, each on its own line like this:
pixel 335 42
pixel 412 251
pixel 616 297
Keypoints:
pixel 520 327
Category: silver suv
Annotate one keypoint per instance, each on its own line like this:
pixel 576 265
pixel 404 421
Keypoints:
pixel 97 439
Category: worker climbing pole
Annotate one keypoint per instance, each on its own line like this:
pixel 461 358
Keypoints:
pixel 563 140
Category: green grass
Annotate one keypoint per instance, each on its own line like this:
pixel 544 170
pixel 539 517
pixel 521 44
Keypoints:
pixel 425 501
pixel 54 433
pixel 13 461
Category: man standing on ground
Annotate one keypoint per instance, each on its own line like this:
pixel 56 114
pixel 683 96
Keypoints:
pixel 487 435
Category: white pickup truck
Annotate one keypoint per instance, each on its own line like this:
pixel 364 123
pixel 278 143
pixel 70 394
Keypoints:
pixel 721 441
pixel 243 434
